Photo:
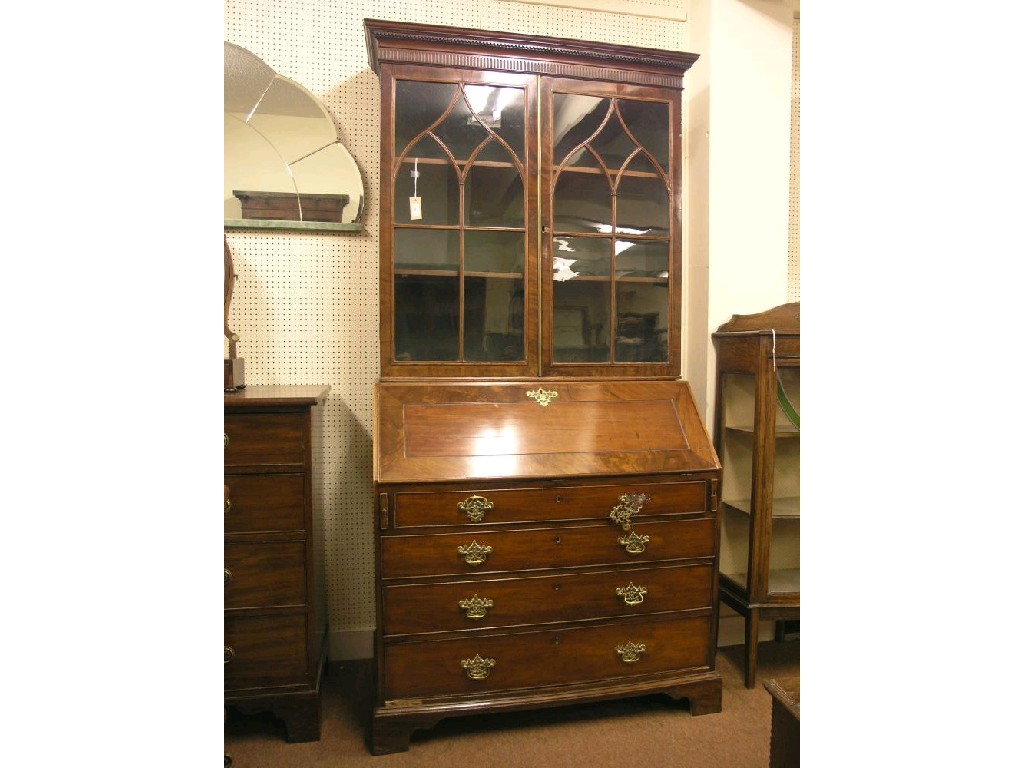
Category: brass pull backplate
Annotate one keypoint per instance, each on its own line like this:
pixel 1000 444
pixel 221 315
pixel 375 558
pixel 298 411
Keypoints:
pixel 478 668
pixel 474 554
pixel 631 595
pixel 541 396
pixel 630 652
pixel 634 543
pixel 476 606
pixel 475 506
pixel 629 504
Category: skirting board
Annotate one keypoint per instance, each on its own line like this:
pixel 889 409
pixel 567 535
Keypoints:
pixel 350 644
pixel 355 644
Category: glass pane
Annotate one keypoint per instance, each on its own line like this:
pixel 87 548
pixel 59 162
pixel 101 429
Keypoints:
pixel 580 321
pixel 648 122
pixel 575 120
pixel 501 110
pixel 737 457
pixel 431 249
pixel 643 206
pixel 418 105
pixel 578 256
pixel 426 318
pixel 494 319
pixel 500 252
pixel 437 187
pixel 494 197
pixel 784 553
pixel 641 258
pixel 641 326
pixel 582 203
pixel 613 144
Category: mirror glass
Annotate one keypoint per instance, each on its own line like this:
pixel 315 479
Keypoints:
pixel 284 165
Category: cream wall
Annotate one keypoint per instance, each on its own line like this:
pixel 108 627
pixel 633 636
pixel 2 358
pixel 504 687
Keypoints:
pixel 305 305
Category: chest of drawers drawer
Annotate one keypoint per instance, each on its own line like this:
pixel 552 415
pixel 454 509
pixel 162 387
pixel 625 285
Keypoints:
pixel 582 595
pixel 264 650
pixel 254 439
pixel 270 502
pixel 493 506
pixel 548 657
pixel 489 550
pixel 263 574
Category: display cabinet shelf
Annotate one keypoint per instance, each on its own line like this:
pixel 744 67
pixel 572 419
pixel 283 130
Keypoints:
pixel 782 506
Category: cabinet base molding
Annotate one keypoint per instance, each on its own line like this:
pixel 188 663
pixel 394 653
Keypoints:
pixel 394 723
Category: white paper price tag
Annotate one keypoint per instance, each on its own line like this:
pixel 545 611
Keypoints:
pixel 415 209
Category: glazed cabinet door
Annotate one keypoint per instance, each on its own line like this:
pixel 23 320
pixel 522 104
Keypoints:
pixel 611 229
pixel 459 244
pixel 486 171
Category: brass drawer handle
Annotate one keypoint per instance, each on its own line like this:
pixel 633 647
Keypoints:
pixel 631 595
pixel 630 652
pixel 474 554
pixel 229 654
pixel 634 543
pixel 226 439
pixel 629 504
pixel 475 506
pixel 227 499
pixel 227 577
pixel 476 606
pixel 478 668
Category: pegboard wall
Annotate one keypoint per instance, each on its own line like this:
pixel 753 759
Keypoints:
pixel 793 273
pixel 306 305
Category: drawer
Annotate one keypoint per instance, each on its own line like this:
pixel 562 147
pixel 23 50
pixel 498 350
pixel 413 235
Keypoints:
pixel 555 547
pixel 252 439
pixel 543 504
pixel 264 650
pixel 255 503
pixel 459 605
pixel 264 574
pixel 551 657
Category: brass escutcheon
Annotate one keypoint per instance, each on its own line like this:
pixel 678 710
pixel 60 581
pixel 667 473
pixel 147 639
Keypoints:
pixel 478 668
pixel 630 652
pixel 634 543
pixel 541 396
pixel 476 606
pixel 629 504
pixel 474 553
pixel 631 595
pixel 475 506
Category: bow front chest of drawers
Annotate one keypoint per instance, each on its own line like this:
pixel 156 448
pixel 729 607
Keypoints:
pixel 541 543
pixel 275 616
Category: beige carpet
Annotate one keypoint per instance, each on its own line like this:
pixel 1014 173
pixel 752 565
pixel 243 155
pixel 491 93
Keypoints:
pixel 649 732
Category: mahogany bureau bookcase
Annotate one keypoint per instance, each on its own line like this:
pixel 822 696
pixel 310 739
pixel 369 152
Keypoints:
pixel 546 495
pixel 275 618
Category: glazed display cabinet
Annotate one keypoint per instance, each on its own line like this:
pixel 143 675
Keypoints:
pixel 530 199
pixel 757 436
pixel 546 496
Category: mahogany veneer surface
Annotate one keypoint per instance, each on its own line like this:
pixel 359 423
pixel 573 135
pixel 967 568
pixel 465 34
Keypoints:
pixel 503 579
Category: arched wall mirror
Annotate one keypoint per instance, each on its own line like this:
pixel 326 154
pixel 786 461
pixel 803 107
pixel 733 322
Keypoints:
pixel 284 165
